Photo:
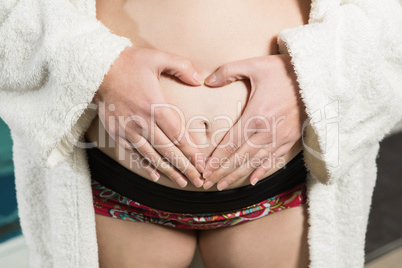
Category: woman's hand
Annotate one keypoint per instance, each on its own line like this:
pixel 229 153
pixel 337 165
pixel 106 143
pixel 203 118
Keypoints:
pixel 269 126
pixel 135 115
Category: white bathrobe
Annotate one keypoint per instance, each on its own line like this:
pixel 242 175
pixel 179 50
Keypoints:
pixel 54 55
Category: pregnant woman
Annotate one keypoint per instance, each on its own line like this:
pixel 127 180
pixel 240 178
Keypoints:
pixel 76 70
pixel 231 32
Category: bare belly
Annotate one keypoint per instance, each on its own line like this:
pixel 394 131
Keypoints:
pixel 209 33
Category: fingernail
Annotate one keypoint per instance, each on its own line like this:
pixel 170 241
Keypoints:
pixel 181 182
pixel 211 80
pixel 208 184
pixel 223 185
pixel 254 181
pixel 198 78
pixel 206 174
pixel 200 168
pixel 155 176
pixel 198 183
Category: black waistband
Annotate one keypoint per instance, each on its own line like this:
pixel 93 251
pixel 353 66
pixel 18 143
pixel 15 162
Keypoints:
pixel 111 174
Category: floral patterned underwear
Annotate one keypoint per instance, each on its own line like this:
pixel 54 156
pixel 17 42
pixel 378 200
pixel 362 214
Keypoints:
pixel 109 203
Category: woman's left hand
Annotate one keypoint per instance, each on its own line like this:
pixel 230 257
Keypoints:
pixel 269 126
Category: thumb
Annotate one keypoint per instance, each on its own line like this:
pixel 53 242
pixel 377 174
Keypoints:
pixel 182 69
pixel 229 72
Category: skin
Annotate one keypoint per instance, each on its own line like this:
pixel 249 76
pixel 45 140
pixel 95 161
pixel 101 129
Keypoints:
pixel 266 242
pixel 144 244
pixel 150 25
pixel 142 67
pixel 273 134
pixel 139 78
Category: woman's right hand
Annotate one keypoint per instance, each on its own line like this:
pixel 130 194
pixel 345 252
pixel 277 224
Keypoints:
pixel 129 93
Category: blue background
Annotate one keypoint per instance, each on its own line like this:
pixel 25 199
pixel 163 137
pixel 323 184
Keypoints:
pixel 9 223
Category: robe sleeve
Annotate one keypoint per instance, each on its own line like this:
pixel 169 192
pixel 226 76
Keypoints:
pixel 53 57
pixel 348 62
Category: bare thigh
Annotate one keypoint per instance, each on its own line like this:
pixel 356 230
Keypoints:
pixel 124 244
pixel 276 240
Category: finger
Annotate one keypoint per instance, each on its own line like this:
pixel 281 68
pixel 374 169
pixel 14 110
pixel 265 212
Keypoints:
pixel 230 72
pixel 246 152
pixel 269 163
pixel 171 122
pixel 243 171
pixel 135 156
pixel 244 128
pixel 259 173
pixel 283 150
pixel 181 68
pixel 149 153
pixel 172 154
